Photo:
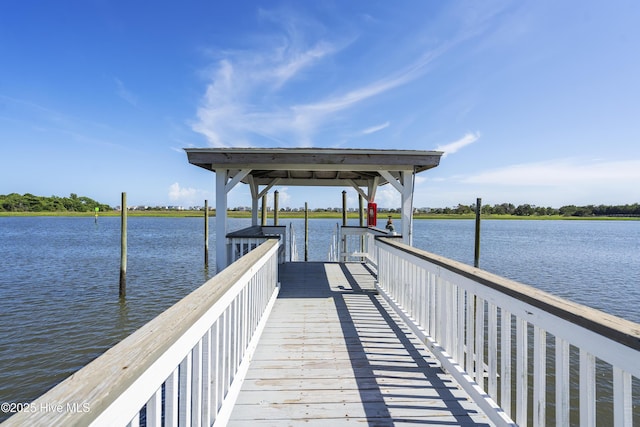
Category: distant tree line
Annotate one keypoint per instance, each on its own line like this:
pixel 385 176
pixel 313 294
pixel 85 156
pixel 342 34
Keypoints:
pixel 532 210
pixel 29 203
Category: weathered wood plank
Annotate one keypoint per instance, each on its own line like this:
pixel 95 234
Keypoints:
pixel 332 353
pixel 390 394
pixel 433 408
pixel 369 422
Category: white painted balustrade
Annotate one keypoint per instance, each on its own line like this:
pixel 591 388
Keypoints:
pixel 241 242
pixel 524 355
pixel 182 368
pixel 293 247
pixel 357 244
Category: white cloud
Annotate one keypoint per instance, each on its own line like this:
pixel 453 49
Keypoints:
pixel 185 196
pixel 554 182
pixel 243 96
pixel 125 94
pixel 246 93
pixel 284 198
pixel 453 147
pixel 388 197
pixel 374 129
pixel 419 179
pixel 562 172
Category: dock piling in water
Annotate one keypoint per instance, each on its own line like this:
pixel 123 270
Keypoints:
pixel 306 231
pixel 344 208
pixel 123 247
pixel 206 234
pixel 476 255
pixel 344 220
pixel 361 218
pixel 275 207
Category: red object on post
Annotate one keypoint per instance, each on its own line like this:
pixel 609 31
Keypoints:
pixel 372 214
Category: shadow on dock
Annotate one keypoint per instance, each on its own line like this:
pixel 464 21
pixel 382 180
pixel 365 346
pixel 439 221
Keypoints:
pixel 334 352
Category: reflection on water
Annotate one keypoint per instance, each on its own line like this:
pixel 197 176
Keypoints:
pixel 123 314
pixel 59 305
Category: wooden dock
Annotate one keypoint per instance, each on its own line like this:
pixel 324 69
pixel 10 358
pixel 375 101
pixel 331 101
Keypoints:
pixel 326 349
pixel 334 353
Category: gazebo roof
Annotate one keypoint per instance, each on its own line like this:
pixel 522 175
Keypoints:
pixel 268 167
pixel 313 166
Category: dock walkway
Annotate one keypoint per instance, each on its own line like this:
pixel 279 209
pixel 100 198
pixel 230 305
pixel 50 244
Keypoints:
pixel 334 353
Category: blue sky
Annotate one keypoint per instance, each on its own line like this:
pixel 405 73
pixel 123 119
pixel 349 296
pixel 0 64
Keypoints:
pixel 533 102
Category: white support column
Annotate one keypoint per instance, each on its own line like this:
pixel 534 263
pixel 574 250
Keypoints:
pixel 405 187
pixel 407 206
pixel 373 186
pixel 254 212
pixel 221 219
pixel 254 201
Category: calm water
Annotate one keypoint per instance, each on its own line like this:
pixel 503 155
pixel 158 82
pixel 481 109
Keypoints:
pixel 59 305
pixel 596 263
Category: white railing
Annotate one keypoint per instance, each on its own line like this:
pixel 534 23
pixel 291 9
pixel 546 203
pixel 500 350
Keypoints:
pixel 521 353
pixel 182 368
pixel 333 254
pixel 241 242
pixel 357 244
pixel 293 246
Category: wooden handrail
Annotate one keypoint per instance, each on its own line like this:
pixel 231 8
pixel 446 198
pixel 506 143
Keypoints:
pixel 613 327
pixel 86 394
pixel 475 322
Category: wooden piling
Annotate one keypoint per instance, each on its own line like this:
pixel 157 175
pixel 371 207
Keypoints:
pixel 361 216
pixel 275 207
pixel 123 247
pixel 344 221
pixel 476 256
pixel 264 210
pixel 306 232
pixel 206 234
pixel 344 208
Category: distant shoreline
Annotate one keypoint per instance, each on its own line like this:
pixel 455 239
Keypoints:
pixel 313 215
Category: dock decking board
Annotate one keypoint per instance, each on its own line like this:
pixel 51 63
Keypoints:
pixel 334 353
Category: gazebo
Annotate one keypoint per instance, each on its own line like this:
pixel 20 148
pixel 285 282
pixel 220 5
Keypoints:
pixel 264 168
